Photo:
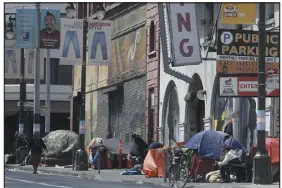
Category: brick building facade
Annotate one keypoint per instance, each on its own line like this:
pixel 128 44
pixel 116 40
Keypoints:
pixel 116 95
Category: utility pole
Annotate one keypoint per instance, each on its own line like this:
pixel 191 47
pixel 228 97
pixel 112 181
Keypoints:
pixel 22 93
pixel 36 115
pixel 47 96
pixel 83 80
pixel 262 169
pixel 81 159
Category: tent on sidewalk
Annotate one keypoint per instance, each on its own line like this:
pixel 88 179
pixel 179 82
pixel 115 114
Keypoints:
pixel 153 165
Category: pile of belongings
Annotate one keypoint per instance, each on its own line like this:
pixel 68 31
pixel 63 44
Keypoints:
pixel 60 143
pixel 136 170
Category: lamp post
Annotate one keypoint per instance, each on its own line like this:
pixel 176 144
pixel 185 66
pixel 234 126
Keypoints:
pixel 262 167
pixel 81 155
pixel 10 35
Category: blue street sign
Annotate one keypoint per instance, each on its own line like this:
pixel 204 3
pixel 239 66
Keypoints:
pixel 26 28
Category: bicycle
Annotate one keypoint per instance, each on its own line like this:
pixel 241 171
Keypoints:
pixel 179 166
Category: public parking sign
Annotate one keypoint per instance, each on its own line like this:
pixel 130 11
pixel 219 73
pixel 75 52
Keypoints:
pixel 26 28
pixel 237 51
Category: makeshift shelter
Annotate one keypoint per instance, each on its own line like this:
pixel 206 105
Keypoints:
pixel 153 165
pixel 207 143
pixel 60 141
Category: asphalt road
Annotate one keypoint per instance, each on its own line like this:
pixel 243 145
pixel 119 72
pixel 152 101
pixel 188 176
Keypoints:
pixel 16 179
pixel 23 179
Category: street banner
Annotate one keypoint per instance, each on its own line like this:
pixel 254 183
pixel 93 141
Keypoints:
pixel 237 51
pixel 26 28
pixel 71 41
pixel 184 33
pixel 12 60
pixel 50 29
pixel 238 13
pixel 247 86
pixel 99 42
pixel 29 63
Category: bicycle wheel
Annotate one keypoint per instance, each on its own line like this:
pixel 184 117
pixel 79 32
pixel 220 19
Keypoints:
pixel 177 180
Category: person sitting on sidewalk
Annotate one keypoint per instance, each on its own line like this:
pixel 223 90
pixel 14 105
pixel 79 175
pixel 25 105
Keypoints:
pixel 231 157
pixel 36 146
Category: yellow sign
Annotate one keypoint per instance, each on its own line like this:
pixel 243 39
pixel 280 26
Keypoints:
pixel 238 13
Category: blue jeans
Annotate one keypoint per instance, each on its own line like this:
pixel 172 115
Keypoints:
pixel 10 60
pixel 71 36
pixel 99 37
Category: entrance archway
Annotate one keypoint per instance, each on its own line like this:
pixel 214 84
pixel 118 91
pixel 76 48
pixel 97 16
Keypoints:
pixel 195 108
pixel 170 114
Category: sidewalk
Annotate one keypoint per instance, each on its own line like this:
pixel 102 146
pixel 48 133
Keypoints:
pixel 113 175
pixel 108 175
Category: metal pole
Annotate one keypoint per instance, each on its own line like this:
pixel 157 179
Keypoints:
pixel 36 115
pixel 165 167
pixel 236 119
pixel 81 156
pixel 83 80
pixel 99 164
pixel 22 93
pixel 262 169
pixel 47 99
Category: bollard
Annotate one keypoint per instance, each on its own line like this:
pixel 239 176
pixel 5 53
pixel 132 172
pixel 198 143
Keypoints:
pixel 120 154
pixel 165 165
pixel 99 162
pixel 73 153
pixel 81 162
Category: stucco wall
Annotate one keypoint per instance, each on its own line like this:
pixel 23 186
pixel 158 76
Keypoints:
pixel 206 70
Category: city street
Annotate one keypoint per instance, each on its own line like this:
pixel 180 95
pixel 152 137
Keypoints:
pixel 15 179
pixel 24 179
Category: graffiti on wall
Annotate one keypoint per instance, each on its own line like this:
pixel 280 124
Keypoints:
pixel 128 56
pixel 128 50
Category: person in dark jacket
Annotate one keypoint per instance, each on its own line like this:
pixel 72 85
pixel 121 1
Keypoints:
pixel 229 128
pixel 21 147
pixel 142 146
pixel 36 147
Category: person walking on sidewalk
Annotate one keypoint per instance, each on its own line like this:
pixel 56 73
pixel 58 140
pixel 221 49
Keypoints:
pixel 36 147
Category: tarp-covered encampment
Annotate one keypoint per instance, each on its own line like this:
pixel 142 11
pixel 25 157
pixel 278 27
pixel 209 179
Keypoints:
pixel 60 141
pixel 207 143
pixel 153 165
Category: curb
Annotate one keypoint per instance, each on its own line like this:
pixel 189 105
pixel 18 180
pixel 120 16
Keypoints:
pixel 82 175
pixel 53 172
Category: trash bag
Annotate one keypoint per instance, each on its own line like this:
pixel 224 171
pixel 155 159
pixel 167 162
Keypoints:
pixel 60 141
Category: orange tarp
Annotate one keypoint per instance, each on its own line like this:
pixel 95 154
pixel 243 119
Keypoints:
pixel 272 145
pixel 153 165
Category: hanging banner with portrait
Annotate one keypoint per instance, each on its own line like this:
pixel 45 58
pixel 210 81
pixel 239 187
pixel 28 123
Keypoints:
pixel 50 29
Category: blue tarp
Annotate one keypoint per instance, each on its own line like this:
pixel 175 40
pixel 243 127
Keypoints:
pixel 233 144
pixel 207 143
